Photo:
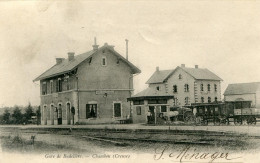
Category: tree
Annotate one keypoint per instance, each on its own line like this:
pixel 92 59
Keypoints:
pixel 28 113
pixel 17 116
pixel 6 117
pixel 38 114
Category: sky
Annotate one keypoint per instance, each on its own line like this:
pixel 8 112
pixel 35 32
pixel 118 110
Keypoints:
pixel 222 36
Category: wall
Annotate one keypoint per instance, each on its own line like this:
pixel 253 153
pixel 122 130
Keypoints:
pixel 186 79
pixel 205 93
pixel 55 99
pixel 111 76
pixel 104 105
pixel 250 97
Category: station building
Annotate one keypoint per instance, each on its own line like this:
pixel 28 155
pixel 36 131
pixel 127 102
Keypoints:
pixel 169 89
pixel 92 87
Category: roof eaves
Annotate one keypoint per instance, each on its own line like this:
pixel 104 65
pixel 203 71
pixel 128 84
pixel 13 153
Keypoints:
pixel 136 69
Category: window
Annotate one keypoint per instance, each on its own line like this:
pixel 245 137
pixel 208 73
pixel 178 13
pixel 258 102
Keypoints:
pixel 138 102
pixel 59 85
pixel 163 109
pixel 216 99
pixel 117 110
pixel 44 88
pixel 175 90
pixel 160 101
pixel 209 87
pixel 201 87
pixel 186 88
pixel 186 100
pixel 51 86
pixel 158 88
pixel 59 111
pixel 202 99
pixel 215 87
pixel 91 111
pixel 138 110
pixel 104 61
pixel 180 76
pixel 209 100
pixel 173 109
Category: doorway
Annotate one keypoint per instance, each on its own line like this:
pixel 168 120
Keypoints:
pixel 59 114
pixel 151 119
pixel 68 113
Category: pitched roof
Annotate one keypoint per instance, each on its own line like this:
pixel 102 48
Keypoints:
pixel 197 73
pixel 242 88
pixel 150 92
pixel 67 66
pixel 159 76
pixel 201 74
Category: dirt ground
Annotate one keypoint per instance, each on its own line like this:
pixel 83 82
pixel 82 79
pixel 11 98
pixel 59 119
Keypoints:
pixel 99 142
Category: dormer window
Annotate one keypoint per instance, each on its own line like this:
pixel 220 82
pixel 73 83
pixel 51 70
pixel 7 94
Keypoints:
pixel 104 61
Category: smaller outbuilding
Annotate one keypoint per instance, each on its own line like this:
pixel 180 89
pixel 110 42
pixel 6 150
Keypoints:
pixel 244 92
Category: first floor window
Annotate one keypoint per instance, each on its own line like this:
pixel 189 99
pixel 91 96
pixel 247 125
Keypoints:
pixel 201 87
pixel 163 108
pixel 117 110
pixel 216 99
pixel 186 88
pixel 51 85
pixel 44 88
pixel 91 110
pixel 138 110
pixel 209 87
pixel 215 87
pixel 175 89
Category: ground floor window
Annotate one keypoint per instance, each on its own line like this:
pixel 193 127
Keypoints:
pixel 91 111
pixel 163 109
pixel 117 110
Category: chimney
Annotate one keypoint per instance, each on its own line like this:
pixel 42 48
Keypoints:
pixel 95 46
pixel 196 66
pixel 157 69
pixel 71 55
pixel 59 60
pixel 126 42
pixel 182 65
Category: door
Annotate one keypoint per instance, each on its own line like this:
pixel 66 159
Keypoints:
pixel 151 119
pixel 117 110
pixel 59 115
pixel 68 113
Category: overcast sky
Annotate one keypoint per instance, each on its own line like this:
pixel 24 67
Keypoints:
pixel 221 36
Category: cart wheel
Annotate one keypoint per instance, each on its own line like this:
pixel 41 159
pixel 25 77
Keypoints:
pixel 251 121
pixel 238 121
pixel 217 122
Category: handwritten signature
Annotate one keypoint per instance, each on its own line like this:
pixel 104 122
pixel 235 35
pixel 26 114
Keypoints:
pixel 188 153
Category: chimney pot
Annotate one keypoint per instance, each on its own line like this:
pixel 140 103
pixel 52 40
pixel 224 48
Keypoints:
pixel 196 66
pixel 59 60
pixel 126 41
pixel 95 46
pixel 157 68
pixel 71 55
pixel 182 65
